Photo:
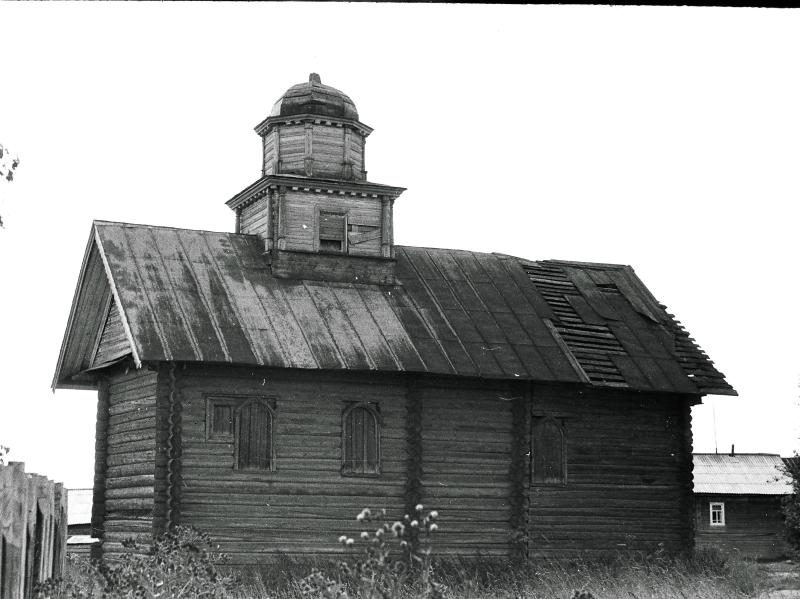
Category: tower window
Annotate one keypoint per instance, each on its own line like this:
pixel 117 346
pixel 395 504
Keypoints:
pixel 332 232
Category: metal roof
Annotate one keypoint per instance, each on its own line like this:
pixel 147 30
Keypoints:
pixel 740 474
pixel 200 296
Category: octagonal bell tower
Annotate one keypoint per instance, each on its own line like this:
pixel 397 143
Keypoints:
pixel 313 208
pixel 313 130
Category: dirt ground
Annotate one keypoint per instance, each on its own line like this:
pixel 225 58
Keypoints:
pixel 784 580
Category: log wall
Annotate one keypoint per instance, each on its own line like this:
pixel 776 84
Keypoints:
pixel 33 530
pixel 629 463
pixel 305 503
pixel 460 447
pixel 463 449
pixel 466 456
pixel 753 525
pixel 130 452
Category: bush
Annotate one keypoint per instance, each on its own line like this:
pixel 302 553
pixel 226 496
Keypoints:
pixel 180 564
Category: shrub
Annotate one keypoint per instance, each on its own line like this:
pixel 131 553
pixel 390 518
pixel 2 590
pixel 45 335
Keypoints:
pixel 180 564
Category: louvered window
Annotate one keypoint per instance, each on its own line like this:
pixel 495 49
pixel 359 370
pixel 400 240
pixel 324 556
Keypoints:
pixel 361 451
pixel 549 465
pixel 332 232
pixel 254 446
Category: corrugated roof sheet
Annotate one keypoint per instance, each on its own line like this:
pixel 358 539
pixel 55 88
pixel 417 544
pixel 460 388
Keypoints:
pixel 742 474
pixel 201 296
pixel 79 506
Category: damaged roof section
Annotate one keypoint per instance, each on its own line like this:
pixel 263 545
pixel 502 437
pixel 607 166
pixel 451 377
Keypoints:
pixel 620 335
pixel 164 294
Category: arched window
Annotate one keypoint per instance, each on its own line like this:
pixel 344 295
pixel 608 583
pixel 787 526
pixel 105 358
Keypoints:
pixel 361 440
pixel 254 446
pixel 549 463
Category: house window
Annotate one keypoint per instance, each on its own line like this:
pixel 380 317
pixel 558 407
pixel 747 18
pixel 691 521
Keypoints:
pixel 361 440
pixel 332 232
pixel 548 462
pixel 716 514
pixel 248 424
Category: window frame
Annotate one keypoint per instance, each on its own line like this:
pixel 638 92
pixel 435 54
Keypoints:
pixel 373 409
pixel 721 510
pixel 237 404
pixel 318 242
pixel 538 421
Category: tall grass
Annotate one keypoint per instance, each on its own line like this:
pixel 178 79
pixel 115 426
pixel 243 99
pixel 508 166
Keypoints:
pixel 706 575
pixel 397 561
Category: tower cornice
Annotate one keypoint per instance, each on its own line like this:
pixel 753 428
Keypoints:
pixel 312 184
pixel 271 121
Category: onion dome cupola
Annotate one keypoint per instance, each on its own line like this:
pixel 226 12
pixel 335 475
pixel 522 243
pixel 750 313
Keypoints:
pixel 313 208
pixel 313 130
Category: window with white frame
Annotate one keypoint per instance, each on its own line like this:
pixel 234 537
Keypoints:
pixel 716 512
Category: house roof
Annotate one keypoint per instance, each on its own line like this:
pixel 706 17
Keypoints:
pixel 79 506
pixel 199 296
pixel 740 474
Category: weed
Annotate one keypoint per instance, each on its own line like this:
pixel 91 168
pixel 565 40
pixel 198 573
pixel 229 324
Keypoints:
pixel 395 560
pixel 180 564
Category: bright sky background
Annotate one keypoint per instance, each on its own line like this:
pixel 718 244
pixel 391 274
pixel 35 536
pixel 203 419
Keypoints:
pixel 664 138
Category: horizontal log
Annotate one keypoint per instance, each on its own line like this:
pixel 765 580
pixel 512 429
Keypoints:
pixel 134 481
pixel 129 503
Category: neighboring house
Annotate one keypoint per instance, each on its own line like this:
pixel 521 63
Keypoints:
pixel 266 385
pixel 79 522
pixel 738 503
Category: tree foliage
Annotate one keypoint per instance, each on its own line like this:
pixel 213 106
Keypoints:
pixel 8 165
pixel 791 503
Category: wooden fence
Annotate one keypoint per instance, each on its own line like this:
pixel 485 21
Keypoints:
pixel 33 530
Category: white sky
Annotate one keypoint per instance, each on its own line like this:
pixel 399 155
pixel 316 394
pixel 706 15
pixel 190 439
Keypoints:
pixel 664 138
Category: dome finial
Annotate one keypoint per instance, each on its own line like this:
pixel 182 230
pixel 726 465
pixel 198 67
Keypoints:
pixel 314 78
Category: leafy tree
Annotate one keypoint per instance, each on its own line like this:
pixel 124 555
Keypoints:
pixel 8 165
pixel 791 503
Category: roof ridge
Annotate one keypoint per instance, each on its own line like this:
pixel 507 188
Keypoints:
pixel 739 455
pixel 143 226
pixel 588 264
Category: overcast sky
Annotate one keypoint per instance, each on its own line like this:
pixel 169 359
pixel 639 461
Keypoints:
pixel 664 138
